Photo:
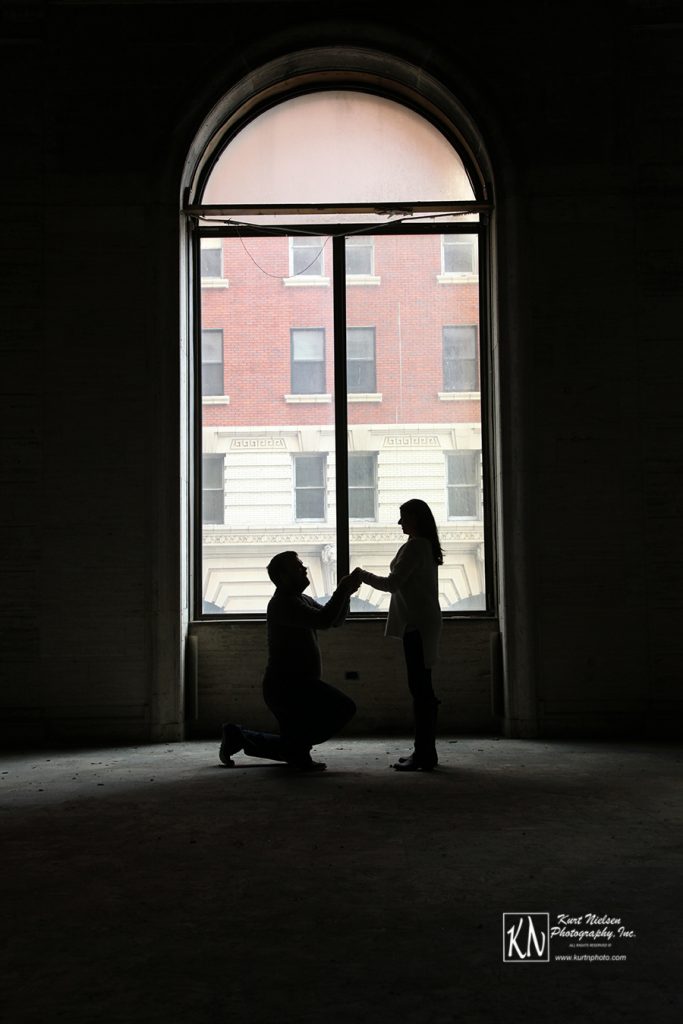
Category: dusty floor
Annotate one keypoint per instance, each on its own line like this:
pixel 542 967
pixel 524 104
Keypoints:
pixel 150 884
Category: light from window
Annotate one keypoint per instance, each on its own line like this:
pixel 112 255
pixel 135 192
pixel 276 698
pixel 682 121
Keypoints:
pixel 212 361
pixel 308 256
pixel 359 256
pixel 213 503
pixel 460 358
pixel 362 486
pixel 360 359
pixel 463 484
pixel 309 486
pixel 459 254
pixel 308 361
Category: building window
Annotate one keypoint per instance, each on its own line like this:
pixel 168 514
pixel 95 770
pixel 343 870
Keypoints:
pixel 307 256
pixel 459 254
pixel 360 256
pixel 212 361
pixel 308 360
pixel 360 360
pixel 463 483
pixel 460 359
pixel 309 486
pixel 212 264
pixel 213 500
pixel 362 486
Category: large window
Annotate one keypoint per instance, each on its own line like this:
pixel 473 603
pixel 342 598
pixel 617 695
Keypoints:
pixel 359 392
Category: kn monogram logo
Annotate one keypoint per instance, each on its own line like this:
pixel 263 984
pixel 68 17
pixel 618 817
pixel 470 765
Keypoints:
pixel 526 938
pixel 577 938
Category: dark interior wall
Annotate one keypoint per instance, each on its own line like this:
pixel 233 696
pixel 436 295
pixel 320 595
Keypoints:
pixel 580 105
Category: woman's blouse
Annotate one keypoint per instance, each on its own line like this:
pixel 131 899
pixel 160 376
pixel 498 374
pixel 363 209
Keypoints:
pixel 414 588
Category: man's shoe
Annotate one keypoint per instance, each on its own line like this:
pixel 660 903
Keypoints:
pixel 306 765
pixel 231 742
pixel 415 764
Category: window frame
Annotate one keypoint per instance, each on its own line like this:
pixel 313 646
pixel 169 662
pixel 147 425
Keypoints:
pixel 335 235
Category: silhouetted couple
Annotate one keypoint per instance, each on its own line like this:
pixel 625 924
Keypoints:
pixel 310 711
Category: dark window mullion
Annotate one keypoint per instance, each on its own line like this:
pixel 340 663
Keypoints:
pixel 340 403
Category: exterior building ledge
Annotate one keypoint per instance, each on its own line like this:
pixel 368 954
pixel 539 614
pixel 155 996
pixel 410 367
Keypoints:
pixel 215 400
pixel 356 279
pixel 215 282
pixel 305 280
pixel 457 278
pixel 459 396
pixel 301 399
pixel 364 396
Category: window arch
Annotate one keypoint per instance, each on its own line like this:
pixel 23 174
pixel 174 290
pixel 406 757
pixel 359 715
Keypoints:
pixel 339 226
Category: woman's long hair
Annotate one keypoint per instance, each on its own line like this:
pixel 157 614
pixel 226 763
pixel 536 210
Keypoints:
pixel 426 525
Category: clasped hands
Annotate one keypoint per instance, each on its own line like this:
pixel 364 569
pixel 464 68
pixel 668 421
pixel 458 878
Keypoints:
pixel 353 581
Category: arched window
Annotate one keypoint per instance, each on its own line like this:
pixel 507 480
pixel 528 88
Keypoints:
pixel 340 276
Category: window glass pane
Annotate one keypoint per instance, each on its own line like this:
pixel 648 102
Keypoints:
pixel 308 345
pixel 262 431
pixel 360 377
pixel 338 146
pixel 359 255
pixel 460 359
pixel 310 470
pixel 212 346
pixel 360 343
pixel 212 362
pixel 212 379
pixel 361 470
pixel 362 504
pixel 360 353
pixel 459 255
pixel 462 467
pixel 412 429
pixel 213 507
pixel 307 256
pixel 213 471
pixel 210 262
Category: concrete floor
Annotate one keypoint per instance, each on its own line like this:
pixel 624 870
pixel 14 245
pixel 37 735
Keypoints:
pixel 150 884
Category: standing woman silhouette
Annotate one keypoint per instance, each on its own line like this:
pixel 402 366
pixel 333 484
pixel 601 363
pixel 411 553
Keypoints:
pixel 415 616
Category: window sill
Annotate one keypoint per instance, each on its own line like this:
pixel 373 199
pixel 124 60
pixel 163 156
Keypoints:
pixel 215 282
pixel 364 396
pixel 305 280
pixel 459 396
pixel 215 400
pixel 299 399
pixel 457 278
pixel 363 279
